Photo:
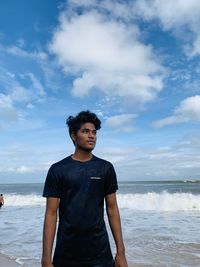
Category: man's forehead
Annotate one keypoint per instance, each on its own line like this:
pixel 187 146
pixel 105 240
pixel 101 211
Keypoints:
pixel 88 125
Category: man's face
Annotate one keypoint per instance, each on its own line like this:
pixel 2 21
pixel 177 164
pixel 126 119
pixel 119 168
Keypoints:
pixel 85 139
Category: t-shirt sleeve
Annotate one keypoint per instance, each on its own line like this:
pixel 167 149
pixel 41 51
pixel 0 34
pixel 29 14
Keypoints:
pixel 111 185
pixel 52 186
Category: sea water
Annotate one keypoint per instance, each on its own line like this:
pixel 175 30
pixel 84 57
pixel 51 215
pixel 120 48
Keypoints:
pixel 160 222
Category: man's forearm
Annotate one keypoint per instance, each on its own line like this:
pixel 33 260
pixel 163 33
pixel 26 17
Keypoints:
pixel 48 236
pixel 115 225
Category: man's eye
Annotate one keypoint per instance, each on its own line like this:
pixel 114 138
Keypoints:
pixel 84 131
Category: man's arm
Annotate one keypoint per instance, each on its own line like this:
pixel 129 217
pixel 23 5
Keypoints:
pixel 115 225
pixel 49 229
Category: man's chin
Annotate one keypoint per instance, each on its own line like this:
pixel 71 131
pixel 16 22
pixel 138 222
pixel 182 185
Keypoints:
pixel 87 149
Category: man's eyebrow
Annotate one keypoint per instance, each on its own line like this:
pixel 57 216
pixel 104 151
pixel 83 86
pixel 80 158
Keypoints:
pixel 88 129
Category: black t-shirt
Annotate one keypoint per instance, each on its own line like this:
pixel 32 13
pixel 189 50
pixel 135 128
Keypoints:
pixel 81 188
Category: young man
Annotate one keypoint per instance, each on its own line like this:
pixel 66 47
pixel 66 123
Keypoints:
pixel 1 200
pixel 77 187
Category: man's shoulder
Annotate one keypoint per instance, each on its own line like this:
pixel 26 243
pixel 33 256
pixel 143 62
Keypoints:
pixel 61 162
pixel 102 161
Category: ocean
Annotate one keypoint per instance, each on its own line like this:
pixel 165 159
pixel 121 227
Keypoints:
pixel 160 221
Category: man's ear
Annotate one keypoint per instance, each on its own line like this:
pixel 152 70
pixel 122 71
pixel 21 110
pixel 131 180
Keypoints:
pixel 73 136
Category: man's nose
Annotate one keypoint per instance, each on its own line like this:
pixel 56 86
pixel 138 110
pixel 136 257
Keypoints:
pixel 91 135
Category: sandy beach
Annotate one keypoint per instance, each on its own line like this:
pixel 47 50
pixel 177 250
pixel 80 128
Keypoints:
pixel 7 262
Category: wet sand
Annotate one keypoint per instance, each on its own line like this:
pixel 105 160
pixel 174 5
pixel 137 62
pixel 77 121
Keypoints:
pixel 7 262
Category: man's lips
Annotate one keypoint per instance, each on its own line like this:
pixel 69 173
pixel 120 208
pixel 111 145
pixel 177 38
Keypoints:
pixel 91 142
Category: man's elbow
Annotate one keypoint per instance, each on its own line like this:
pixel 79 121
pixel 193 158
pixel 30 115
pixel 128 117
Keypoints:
pixel 51 213
pixel 112 210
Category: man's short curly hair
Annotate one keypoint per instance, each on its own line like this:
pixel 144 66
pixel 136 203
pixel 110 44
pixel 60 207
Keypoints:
pixel 74 123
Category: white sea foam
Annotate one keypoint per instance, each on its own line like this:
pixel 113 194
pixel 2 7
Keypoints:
pixel 160 201
pixel 149 201
pixel 24 200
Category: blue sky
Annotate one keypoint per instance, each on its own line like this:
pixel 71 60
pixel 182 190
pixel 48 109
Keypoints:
pixel 134 63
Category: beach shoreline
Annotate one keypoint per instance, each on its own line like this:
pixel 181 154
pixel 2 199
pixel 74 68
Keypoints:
pixel 7 262
pixel 150 224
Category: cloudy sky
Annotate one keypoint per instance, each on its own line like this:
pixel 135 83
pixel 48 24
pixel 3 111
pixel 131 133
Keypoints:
pixel 134 63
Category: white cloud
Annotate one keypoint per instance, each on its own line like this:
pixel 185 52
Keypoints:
pixel 18 159
pixel 5 101
pixel 16 96
pixel 49 68
pixel 188 110
pixel 23 169
pixel 180 16
pixel 8 115
pixel 16 92
pixel 21 42
pixel 118 9
pixel 180 161
pixel 37 84
pixel 122 122
pixel 106 54
pixel 30 106
pixel 18 51
pixel 7 111
pixel 20 94
pixel 12 75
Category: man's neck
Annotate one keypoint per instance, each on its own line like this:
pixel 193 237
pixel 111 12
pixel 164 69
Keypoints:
pixel 81 155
